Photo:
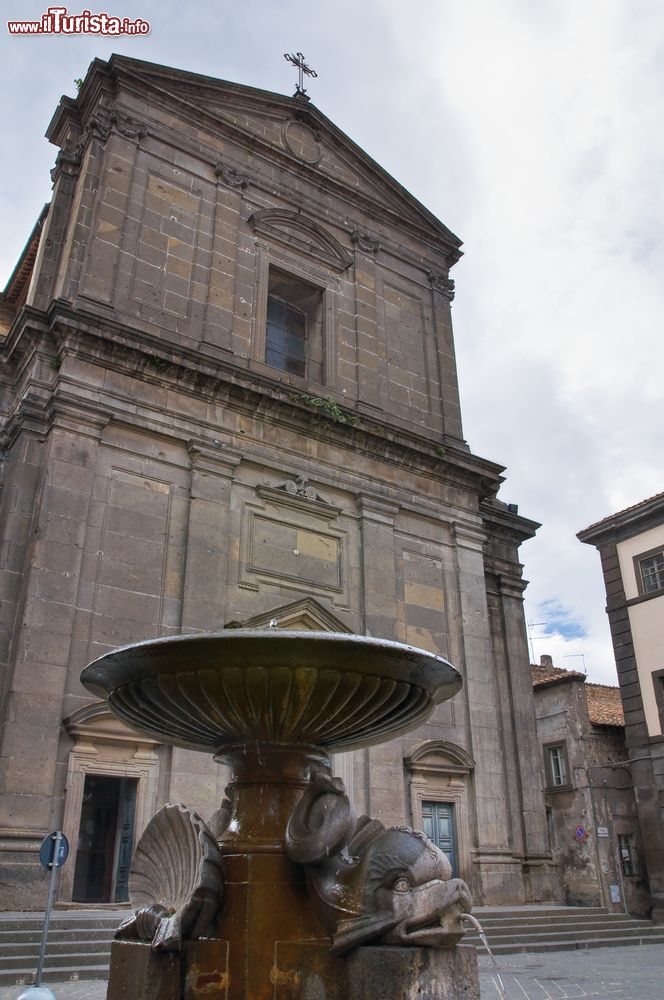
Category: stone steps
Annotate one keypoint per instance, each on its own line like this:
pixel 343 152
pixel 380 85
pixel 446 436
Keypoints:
pixel 56 933
pixel 514 930
pixel 58 974
pixel 79 943
pixel 78 947
pixel 87 952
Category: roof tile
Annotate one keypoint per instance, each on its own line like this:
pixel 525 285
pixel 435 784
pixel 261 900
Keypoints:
pixel 603 700
pixel 604 705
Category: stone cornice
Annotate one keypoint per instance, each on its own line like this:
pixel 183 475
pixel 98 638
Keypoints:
pixel 38 414
pixel 508 523
pixel 122 348
pixel 469 536
pixel 506 584
pixel 81 415
pixel 206 459
pixel 373 509
pixel 29 416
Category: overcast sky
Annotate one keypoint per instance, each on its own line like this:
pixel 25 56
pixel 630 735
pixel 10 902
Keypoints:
pixel 534 129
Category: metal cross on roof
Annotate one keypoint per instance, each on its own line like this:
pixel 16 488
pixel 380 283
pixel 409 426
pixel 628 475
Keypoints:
pixel 298 60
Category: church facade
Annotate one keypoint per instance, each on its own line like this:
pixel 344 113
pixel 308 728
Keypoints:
pixel 229 397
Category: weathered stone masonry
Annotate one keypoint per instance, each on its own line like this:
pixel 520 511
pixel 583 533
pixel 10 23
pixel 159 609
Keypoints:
pixel 161 477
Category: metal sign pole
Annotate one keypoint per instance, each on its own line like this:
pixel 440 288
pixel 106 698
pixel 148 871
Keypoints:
pixel 53 853
pixel 54 865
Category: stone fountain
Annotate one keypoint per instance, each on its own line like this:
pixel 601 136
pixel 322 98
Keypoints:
pixel 285 894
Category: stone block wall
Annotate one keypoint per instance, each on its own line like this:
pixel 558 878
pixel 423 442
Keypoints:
pixel 162 478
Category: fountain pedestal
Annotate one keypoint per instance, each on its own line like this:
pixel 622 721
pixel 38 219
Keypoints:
pixel 302 972
pixel 268 919
pixel 297 895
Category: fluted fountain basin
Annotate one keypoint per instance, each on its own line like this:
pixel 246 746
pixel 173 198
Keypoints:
pixel 337 691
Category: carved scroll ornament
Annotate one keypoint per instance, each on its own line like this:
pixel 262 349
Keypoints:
pixel 230 175
pixel 99 125
pixel 365 241
pixel 369 883
pixel 441 283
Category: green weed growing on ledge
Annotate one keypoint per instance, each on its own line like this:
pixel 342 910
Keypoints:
pixel 326 406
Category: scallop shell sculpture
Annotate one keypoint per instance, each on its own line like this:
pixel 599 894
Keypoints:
pixel 176 882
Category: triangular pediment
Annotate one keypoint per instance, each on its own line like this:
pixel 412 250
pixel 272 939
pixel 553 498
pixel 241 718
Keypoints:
pixel 289 126
pixel 306 615
pixel 440 757
pixel 95 723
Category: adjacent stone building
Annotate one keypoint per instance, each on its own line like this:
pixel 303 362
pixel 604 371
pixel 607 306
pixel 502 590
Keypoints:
pixel 228 396
pixel 591 808
pixel 631 546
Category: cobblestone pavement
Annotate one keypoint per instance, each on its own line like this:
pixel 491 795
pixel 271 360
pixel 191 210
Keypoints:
pixel 631 973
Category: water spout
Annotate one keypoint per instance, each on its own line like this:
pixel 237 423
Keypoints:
pixel 480 930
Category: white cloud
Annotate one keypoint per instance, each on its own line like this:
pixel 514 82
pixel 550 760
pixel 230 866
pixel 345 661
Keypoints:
pixel 559 300
pixel 531 129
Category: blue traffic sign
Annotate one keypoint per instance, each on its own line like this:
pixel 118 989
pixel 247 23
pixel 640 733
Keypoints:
pixel 47 850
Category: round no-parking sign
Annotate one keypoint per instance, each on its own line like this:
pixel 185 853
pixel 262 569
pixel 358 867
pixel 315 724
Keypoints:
pixel 47 850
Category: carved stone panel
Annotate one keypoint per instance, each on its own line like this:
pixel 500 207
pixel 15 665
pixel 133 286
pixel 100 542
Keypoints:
pixel 290 541
pixel 289 551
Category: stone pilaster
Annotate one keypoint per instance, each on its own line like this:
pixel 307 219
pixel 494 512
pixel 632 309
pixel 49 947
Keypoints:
pixel 371 349
pixel 21 482
pixel 523 753
pixel 442 292
pixel 379 583
pixel 53 242
pixel 498 875
pixel 209 534
pixel 196 779
pixel 522 709
pixel 41 648
pixel 228 309
pixel 385 795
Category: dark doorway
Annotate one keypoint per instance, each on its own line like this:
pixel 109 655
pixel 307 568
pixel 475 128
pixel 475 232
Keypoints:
pixel 105 840
pixel 438 824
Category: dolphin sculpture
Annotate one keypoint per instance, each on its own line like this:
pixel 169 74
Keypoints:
pixel 372 884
